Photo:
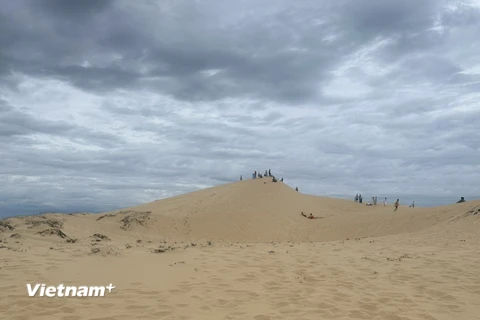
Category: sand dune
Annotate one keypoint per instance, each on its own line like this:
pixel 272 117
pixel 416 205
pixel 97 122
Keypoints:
pixel 243 251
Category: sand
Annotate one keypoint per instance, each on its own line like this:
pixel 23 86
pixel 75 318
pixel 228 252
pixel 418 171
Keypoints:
pixel 243 251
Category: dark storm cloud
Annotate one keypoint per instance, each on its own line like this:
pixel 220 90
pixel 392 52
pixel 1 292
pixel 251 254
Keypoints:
pixel 377 17
pixel 102 78
pixel 71 9
pixel 173 52
pixel 252 58
pixel 4 107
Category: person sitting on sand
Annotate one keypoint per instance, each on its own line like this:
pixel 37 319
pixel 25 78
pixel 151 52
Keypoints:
pixel 462 199
pixel 310 216
pixel 368 204
pixel 274 180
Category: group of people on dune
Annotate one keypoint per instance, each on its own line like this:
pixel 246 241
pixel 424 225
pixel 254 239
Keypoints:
pixel 358 198
pixel 258 175
pixel 268 173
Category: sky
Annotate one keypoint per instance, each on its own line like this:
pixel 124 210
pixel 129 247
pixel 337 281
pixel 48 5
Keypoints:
pixel 108 104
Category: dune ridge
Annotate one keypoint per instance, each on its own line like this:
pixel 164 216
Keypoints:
pixel 250 211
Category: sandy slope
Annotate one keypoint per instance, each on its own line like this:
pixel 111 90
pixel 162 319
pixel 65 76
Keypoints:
pixel 242 251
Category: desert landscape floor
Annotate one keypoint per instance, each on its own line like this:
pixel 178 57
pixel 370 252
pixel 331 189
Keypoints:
pixel 394 278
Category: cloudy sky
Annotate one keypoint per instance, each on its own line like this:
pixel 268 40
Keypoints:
pixel 107 104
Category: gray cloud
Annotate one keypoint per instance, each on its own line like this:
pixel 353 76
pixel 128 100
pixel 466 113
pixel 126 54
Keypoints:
pixel 14 123
pixel 105 104
pixel 377 17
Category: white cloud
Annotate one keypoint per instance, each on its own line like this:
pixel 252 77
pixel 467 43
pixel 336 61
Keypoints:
pixel 343 87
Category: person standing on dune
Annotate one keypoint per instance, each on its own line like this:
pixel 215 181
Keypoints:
pixel 385 202
pixel 397 203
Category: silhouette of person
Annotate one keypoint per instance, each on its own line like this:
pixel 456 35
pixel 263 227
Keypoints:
pixel 397 203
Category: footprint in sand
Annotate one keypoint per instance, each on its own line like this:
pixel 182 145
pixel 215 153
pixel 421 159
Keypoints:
pixel 70 318
pixel 137 307
pixel 235 315
pixel 67 310
pixel 161 314
pixel 148 293
pixel 283 304
pixel 323 305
